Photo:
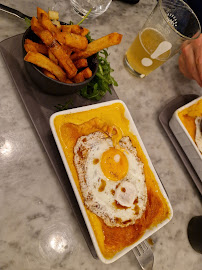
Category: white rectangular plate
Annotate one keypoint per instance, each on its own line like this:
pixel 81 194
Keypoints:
pixel 133 129
pixel 185 140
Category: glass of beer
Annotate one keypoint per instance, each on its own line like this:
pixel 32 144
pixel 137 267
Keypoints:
pixel 170 24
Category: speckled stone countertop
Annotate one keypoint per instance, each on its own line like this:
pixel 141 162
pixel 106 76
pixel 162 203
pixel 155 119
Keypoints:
pixel 31 199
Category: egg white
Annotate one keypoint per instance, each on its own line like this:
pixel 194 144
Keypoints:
pixel 198 135
pixel 102 203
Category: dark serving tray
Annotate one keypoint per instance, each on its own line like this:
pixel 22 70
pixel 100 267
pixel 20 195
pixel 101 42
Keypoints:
pixel 164 118
pixel 40 107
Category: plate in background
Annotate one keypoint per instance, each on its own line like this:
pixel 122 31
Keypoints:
pixel 164 118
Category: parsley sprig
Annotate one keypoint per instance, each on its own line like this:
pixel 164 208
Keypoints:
pixel 28 22
pixel 65 106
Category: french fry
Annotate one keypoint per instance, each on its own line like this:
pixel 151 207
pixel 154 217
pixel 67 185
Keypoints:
pixel 44 62
pixel 76 29
pixel 49 74
pixel 67 49
pixel 30 48
pixel 68 81
pixel 66 28
pixel 53 15
pixel 72 40
pixel 48 25
pixel 52 57
pixel 36 26
pixel 44 35
pixel 63 59
pixel 37 47
pixel 82 75
pixel 87 73
pixel 57 24
pixel 81 63
pixel 40 11
pixel 97 45
pixel 79 78
pixel 84 32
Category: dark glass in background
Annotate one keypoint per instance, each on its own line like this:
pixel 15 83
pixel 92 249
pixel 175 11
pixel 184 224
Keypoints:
pixel 196 5
pixel 194 232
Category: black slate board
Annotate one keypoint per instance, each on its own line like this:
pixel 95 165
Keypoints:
pixel 40 107
pixel 164 118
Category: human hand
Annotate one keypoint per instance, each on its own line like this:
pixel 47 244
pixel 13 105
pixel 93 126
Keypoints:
pixel 190 60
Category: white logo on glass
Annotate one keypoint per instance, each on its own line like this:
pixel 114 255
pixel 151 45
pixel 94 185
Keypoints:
pixel 163 47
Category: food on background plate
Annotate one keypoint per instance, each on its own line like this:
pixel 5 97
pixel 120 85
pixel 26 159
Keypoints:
pixel 63 46
pixel 118 188
pixel 191 117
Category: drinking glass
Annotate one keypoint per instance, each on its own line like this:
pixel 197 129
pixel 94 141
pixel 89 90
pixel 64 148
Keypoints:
pixel 168 26
pixel 98 7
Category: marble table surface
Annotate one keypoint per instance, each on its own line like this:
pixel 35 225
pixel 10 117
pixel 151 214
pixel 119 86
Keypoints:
pixel 32 201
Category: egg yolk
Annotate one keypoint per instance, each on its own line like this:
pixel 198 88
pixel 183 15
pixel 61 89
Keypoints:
pixel 114 164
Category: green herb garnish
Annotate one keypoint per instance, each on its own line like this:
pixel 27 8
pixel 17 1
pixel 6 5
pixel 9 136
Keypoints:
pixel 85 16
pixel 65 106
pixel 89 38
pixel 100 84
pixel 28 22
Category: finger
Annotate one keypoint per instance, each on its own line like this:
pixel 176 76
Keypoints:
pixel 182 67
pixel 190 62
pixel 185 43
pixel 198 56
pixel 199 65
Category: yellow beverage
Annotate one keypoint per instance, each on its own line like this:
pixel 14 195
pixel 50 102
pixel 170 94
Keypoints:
pixel 143 47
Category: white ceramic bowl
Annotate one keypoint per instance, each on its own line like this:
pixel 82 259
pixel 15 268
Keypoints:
pixel 133 128
pixel 185 140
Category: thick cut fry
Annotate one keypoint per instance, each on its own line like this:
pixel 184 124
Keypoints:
pixel 68 81
pixel 66 28
pixel 72 40
pixel 40 11
pixel 76 29
pixel 36 26
pixel 97 45
pixel 81 63
pixel 87 73
pixel 67 49
pixel 44 35
pixel 79 78
pixel 57 24
pixel 49 74
pixel 52 57
pixel 82 75
pixel 63 59
pixel 41 48
pixel 84 32
pixel 48 25
pixel 53 15
pixel 30 48
pixel 44 62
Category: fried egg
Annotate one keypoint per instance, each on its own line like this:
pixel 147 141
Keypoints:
pixel 198 135
pixel 111 178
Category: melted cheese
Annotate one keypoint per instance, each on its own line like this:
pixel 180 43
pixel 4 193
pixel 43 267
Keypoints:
pixel 72 126
pixel 188 116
